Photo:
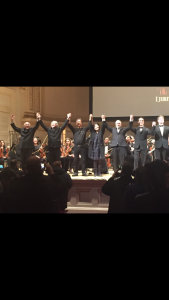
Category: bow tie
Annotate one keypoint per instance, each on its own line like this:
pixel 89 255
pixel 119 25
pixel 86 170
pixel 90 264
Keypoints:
pixel 161 125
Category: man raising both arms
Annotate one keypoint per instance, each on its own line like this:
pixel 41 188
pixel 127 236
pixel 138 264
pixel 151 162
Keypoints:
pixel 79 135
pixel 54 136
pixel 118 143
pixel 27 134
pixel 161 138
pixel 140 146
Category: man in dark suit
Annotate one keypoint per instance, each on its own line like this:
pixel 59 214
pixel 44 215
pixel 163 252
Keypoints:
pixel 140 146
pixel 79 135
pixel 161 138
pixel 27 134
pixel 54 135
pixel 119 143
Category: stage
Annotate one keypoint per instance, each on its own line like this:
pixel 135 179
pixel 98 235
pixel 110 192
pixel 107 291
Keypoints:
pixel 86 191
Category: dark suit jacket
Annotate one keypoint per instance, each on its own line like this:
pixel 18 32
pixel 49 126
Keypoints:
pixel 160 141
pixel 141 137
pixel 26 135
pixel 79 134
pixel 54 134
pixel 118 138
pixel 100 136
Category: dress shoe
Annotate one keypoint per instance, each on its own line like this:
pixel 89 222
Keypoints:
pixel 84 174
pixel 75 174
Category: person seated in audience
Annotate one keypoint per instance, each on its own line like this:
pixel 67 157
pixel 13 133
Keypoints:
pixel 57 167
pixel 140 186
pixel 108 151
pixel 36 147
pixel 4 154
pixel 15 167
pixel 67 155
pixel 130 150
pixel 116 186
pixel 157 199
pixel 35 192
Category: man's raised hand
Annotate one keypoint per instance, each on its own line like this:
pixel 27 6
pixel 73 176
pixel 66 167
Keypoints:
pixel 12 117
pixel 38 116
pixel 90 117
pixel 69 116
pixel 131 118
pixel 153 124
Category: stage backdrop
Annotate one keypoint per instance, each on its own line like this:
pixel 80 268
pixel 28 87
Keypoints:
pixel 123 101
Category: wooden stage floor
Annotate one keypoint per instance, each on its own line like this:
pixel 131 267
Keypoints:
pixel 91 176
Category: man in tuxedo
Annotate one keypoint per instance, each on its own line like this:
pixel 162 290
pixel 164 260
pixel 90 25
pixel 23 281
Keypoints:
pixel 140 146
pixel 161 138
pixel 118 143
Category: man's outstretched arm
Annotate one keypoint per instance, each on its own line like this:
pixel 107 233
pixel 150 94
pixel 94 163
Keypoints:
pixel 17 129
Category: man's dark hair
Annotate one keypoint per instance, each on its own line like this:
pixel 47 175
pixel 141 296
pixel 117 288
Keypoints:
pixel 140 174
pixel 13 163
pixel 127 169
pixel 33 164
pixel 57 163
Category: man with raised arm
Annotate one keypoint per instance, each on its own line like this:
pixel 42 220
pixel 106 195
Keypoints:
pixel 161 138
pixel 118 142
pixel 54 136
pixel 140 146
pixel 79 135
pixel 27 134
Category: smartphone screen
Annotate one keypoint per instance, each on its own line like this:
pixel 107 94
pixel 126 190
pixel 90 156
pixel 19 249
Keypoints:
pixel 1 166
pixel 42 166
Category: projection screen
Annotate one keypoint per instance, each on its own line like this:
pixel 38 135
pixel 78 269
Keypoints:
pixel 124 101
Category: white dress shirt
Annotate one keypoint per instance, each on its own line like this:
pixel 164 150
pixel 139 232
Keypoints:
pixel 162 129
pixel 106 149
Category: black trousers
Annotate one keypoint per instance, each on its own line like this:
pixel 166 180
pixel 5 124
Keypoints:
pixel 25 154
pixel 137 152
pixel 97 166
pixel 67 162
pixel 160 153
pixel 104 166
pixel 54 155
pixel 82 151
pixel 119 154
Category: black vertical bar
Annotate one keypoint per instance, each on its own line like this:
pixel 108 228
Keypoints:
pixel 90 100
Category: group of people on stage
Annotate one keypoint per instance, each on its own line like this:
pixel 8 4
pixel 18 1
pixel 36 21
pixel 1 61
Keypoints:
pixel 100 151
